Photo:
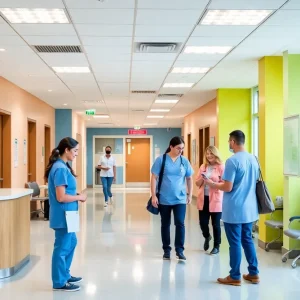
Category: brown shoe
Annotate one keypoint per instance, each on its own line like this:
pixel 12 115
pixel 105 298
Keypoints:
pixel 252 278
pixel 229 281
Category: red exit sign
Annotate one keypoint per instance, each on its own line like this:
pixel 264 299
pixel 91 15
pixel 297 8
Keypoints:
pixel 137 132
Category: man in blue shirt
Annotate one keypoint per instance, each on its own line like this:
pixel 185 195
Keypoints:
pixel 239 208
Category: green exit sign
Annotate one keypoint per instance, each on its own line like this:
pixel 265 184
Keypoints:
pixel 90 112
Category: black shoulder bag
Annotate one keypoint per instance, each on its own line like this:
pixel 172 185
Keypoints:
pixel 150 207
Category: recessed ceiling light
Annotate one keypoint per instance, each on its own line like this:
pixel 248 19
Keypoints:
pixel 159 110
pixel 179 85
pixel 101 116
pixel 166 101
pixel 71 69
pixel 155 117
pixel 49 91
pixel 65 104
pixel 190 70
pixel 35 15
pixel 2 50
pixel 234 17
pixel 207 49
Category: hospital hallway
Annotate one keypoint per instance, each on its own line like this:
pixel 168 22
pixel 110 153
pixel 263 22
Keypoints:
pixel 119 256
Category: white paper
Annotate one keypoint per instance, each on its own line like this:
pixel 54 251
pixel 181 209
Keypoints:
pixel 16 153
pixel 72 218
pixel 25 152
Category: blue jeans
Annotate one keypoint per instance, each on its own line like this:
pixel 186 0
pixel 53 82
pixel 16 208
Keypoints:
pixel 106 183
pixel 241 235
pixel 179 216
pixel 64 247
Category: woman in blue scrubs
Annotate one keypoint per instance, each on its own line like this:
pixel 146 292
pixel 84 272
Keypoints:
pixel 175 193
pixel 63 197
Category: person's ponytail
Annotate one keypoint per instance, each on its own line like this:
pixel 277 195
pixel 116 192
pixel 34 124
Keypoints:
pixel 52 159
pixel 168 150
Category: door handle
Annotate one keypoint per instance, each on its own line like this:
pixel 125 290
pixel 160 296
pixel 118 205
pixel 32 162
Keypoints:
pixel 126 162
pixel 1 179
pixel 29 174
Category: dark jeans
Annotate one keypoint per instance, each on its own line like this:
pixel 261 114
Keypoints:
pixel 46 209
pixel 204 216
pixel 179 216
pixel 106 184
pixel 241 235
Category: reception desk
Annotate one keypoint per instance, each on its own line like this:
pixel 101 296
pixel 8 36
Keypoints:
pixel 14 230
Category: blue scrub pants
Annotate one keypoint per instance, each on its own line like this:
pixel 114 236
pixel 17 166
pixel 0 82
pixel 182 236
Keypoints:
pixel 106 184
pixel 64 247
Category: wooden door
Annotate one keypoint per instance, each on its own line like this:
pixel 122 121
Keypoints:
pixel 31 151
pixel 138 160
pixel 201 146
pixel 5 150
pixel 79 163
pixel 189 146
pixel 206 137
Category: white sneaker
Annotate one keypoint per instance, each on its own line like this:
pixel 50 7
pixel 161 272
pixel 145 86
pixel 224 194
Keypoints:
pixel 111 200
pixel 105 204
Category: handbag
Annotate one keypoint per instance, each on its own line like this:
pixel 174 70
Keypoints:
pixel 150 207
pixel 264 200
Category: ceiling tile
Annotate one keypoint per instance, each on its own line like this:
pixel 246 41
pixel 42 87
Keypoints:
pixel 284 18
pixel 292 4
pixel 65 59
pixel 105 30
pixel 96 59
pixel 253 4
pixel 184 77
pixel 162 31
pixel 107 51
pixel 154 56
pixel 199 64
pixel 10 40
pixel 31 4
pixel 222 31
pixel 111 66
pixel 45 29
pixel 51 40
pixel 174 4
pixel 214 41
pixel 200 57
pixel 146 86
pixel 5 29
pixel 112 77
pixel 106 41
pixel 167 17
pixel 147 39
pixel 102 16
pixel 100 5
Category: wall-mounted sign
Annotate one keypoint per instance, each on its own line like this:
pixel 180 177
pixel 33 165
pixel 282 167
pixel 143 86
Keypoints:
pixel 137 132
pixel 90 112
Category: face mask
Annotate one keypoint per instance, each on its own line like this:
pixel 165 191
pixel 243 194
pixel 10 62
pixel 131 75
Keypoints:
pixel 108 152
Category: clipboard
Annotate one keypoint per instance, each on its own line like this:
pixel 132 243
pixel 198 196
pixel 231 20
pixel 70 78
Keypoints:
pixel 72 219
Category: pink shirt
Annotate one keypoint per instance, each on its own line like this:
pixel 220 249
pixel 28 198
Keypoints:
pixel 215 196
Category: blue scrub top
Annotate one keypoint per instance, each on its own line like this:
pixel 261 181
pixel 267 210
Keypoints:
pixel 240 205
pixel 60 175
pixel 173 187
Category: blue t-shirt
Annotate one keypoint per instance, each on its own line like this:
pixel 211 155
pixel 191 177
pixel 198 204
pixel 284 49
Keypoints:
pixel 240 205
pixel 173 187
pixel 60 175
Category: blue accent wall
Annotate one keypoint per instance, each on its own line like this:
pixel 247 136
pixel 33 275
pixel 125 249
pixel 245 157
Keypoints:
pixel 63 124
pixel 161 139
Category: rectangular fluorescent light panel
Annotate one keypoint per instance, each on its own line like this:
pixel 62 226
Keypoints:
pixel 178 85
pixel 71 69
pixel 166 101
pixel 190 70
pixel 235 17
pixel 101 116
pixel 159 110
pixel 35 15
pixel 207 49
pixel 155 117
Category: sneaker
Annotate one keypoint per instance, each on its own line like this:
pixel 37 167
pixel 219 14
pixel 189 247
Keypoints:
pixel 252 278
pixel 68 287
pixel 214 251
pixel 206 243
pixel 105 204
pixel 75 279
pixel 166 256
pixel 180 256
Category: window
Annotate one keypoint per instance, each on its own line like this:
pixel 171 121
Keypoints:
pixel 255 121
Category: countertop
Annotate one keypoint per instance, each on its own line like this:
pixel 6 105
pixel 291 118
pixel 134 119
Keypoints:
pixel 14 193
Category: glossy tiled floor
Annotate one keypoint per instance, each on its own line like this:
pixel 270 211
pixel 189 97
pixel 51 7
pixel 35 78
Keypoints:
pixel 119 255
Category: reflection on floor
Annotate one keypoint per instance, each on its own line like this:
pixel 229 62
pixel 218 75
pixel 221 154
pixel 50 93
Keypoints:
pixel 119 255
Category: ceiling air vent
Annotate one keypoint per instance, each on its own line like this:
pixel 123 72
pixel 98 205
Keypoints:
pixel 57 49
pixel 143 92
pixel 138 110
pixel 157 47
pixel 170 95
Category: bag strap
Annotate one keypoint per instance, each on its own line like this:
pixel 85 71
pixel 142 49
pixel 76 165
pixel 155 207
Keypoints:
pixel 259 167
pixel 161 173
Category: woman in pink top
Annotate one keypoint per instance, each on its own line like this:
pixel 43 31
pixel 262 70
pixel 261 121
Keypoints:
pixel 209 201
